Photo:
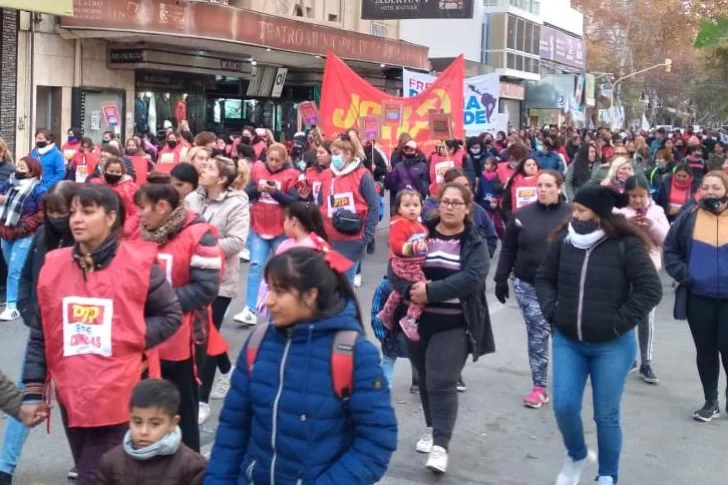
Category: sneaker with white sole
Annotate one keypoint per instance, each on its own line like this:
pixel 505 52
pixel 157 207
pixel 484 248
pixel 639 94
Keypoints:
pixel 572 470
pixel 73 474
pixel 9 314
pixel 245 255
pixel 221 386
pixel 424 444
pixel 204 413
pixel 605 481
pixel 246 317
pixel 437 461
pixel 357 281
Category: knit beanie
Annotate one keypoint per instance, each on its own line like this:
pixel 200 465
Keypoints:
pixel 693 141
pixel 601 200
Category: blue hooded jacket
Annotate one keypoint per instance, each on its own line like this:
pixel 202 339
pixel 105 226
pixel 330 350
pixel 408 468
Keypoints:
pixel 549 161
pixel 53 163
pixel 285 424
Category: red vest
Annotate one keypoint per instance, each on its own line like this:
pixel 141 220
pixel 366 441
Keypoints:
pixel 346 194
pixel 314 175
pixel 266 214
pixel 438 166
pixel 523 191
pixel 504 172
pixel 259 148
pixel 169 157
pixel 677 197
pixel 95 333
pixel 174 258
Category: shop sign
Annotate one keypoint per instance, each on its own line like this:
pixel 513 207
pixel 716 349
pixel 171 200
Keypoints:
pixel 562 48
pixel 279 82
pixel 416 9
pixel 152 80
pixel 126 56
pixel 512 91
pixel 54 7
pixel 234 25
pixel 231 65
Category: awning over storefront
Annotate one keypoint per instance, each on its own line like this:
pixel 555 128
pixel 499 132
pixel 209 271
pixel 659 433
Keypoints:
pixel 55 7
pixel 234 25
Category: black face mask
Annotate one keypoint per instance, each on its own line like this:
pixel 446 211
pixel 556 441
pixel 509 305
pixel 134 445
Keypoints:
pixel 21 175
pixel 171 143
pixel 712 204
pixel 584 227
pixel 59 225
pixel 131 152
pixel 112 178
pixel 245 140
pixel 41 144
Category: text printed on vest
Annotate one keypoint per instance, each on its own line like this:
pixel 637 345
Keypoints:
pixel 265 197
pixel 165 262
pixel 81 174
pixel 441 168
pixel 342 201
pixel 87 326
pixel 525 196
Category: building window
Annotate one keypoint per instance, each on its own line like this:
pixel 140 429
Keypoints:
pixel 511 39
pixel 491 3
pixel 520 34
pixel 333 17
pixel 379 29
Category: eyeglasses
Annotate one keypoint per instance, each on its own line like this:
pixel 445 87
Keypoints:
pixel 452 204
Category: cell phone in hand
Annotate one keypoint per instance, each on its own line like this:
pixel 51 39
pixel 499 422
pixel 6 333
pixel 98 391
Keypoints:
pixel 271 183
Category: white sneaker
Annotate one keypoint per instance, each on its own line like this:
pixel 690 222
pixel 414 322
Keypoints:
pixel 9 314
pixel 246 317
pixel 424 444
pixel 572 470
pixel 245 255
pixel 222 386
pixel 204 413
pixel 437 462
pixel 605 481
pixel 357 281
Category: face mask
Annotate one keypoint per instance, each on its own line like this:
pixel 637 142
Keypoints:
pixel 112 178
pixel 584 227
pixel 41 144
pixel 131 152
pixel 475 150
pixel 59 224
pixel 337 162
pixel 171 143
pixel 301 165
pixel 410 156
pixel 20 175
pixel 661 165
pixel 245 140
pixel 105 142
pixel 72 139
pixel 712 204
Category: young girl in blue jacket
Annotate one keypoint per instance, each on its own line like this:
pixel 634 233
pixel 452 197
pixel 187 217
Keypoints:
pixel 282 422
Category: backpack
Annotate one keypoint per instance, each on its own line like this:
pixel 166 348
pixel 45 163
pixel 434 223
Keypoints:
pixel 342 359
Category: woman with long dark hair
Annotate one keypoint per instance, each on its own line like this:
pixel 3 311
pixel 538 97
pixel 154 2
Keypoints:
pixel 318 437
pixel 580 171
pixel 594 285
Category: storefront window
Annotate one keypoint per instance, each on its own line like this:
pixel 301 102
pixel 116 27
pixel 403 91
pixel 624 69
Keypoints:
pixel 100 111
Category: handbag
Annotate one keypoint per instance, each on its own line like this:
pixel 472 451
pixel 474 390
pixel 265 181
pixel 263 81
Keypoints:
pixel 344 220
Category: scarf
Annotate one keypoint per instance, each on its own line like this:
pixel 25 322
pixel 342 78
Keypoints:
pixel 100 257
pixel 45 149
pixel 169 228
pixel 167 446
pixel 353 165
pixel 18 191
pixel 584 241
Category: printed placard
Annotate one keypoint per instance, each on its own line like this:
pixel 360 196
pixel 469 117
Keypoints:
pixel 111 113
pixel 87 326
pixel 440 126
pixel 341 201
pixel 309 112
pixel 369 127
pixel 81 174
pixel 392 112
pixel 165 262
pixel 525 196
pixel 441 168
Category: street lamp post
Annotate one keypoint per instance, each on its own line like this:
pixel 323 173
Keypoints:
pixel 668 68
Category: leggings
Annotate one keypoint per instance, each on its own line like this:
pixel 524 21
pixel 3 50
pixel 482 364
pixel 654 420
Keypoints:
pixel 439 359
pixel 708 320
pixel 212 363
pixel 646 333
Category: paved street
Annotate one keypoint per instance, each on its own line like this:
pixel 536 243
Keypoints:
pixel 497 441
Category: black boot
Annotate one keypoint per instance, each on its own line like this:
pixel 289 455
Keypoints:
pixel 6 478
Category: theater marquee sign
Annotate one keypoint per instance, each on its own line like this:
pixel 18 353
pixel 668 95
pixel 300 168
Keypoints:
pixel 416 9
pixel 228 24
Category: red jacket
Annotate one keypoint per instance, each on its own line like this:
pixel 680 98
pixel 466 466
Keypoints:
pixel 407 239
pixel 95 332
pixel 266 214
pixel 345 193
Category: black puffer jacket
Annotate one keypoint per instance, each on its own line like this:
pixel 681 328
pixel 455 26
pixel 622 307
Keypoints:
pixel 524 242
pixel 468 286
pixel 598 294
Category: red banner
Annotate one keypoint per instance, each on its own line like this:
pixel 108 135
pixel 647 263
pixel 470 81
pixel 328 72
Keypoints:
pixel 346 98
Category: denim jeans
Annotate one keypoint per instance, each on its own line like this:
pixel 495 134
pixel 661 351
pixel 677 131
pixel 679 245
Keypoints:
pixel 16 433
pixel 608 364
pixel 259 250
pixel 14 253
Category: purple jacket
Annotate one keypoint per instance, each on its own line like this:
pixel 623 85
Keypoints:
pixel 408 173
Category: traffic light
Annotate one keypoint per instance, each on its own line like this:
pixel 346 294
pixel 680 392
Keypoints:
pixel 668 65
